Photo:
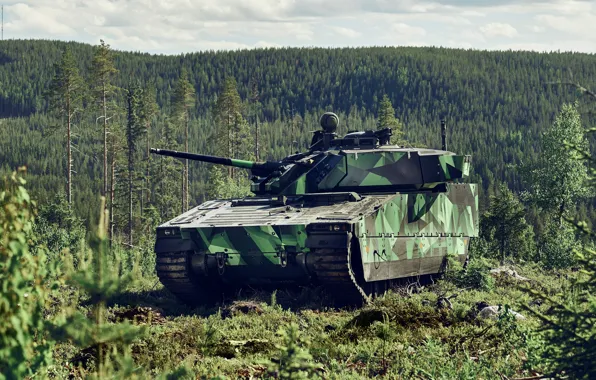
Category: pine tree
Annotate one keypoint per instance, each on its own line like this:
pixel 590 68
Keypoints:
pixel 102 70
pixel 65 96
pixel 148 110
pixel 116 158
pixel 387 119
pixel 183 100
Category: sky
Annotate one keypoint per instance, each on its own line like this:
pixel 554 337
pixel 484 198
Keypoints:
pixel 183 26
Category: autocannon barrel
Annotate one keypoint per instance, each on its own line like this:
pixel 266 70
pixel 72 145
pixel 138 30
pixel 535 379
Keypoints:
pixel 267 166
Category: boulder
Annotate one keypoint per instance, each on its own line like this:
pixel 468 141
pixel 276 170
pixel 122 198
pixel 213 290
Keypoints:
pixel 492 312
pixel 508 272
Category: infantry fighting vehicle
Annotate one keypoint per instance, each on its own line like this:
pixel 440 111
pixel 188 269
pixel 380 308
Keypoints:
pixel 353 214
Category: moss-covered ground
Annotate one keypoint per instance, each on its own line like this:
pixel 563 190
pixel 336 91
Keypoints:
pixel 429 332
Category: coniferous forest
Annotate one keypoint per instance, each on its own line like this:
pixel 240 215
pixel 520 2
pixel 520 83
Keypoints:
pixel 79 287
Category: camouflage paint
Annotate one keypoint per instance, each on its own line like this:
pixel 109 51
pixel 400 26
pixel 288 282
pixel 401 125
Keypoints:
pixel 372 169
pixel 412 233
pixel 406 213
pixel 403 235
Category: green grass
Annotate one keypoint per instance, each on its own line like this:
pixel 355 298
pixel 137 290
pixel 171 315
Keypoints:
pixel 401 335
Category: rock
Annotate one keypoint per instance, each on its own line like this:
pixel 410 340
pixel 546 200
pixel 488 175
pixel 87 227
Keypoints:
pixel 536 302
pixel 492 312
pixel 366 318
pixel 504 271
pixel 242 307
pixel 140 315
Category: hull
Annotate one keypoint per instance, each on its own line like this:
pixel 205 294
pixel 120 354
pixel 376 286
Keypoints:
pixel 355 245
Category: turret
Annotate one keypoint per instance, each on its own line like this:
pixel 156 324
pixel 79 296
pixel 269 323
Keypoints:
pixel 361 161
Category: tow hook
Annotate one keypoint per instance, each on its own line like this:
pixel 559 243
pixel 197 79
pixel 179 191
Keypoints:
pixel 221 258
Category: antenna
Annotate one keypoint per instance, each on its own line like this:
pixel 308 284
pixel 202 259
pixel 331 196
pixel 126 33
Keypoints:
pixel 293 132
pixel 443 135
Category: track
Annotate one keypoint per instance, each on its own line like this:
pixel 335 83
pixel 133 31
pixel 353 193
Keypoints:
pixel 336 270
pixel 333 270
pixel 175 273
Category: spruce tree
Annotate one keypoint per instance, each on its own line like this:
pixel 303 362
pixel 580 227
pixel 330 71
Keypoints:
pixel 387 119
pixel 504 226
pixel 232 129
pixel 65 96
pixel 183 100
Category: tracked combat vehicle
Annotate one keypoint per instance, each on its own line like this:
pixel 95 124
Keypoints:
pixel 353 214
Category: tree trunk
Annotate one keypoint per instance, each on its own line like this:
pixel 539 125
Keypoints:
pixel 182 191
pixel 186 174
pixel 130 169
pixel 69 154
pixel 105 142
pixel 502 241
pixel 147 165
pixel 230 169
pixel 112 195
pixel 256 136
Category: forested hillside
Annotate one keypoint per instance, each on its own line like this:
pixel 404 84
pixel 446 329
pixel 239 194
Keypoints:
pixel 80 292
pixel 495 103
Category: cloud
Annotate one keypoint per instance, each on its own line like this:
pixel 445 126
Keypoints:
pixel 176 26
pixel 345 32
pixel 496 29
pixel 578 26
pixel 37 21
pixel 404 30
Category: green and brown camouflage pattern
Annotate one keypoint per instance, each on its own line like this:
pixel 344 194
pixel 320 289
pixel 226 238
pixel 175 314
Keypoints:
pixel 351 208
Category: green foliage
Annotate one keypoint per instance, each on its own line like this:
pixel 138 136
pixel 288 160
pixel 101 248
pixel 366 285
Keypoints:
pixel 496 127
pixel 232 129
pixel 67 89
pixel 557 244
pixel 475 276
pixel 102 73
pixel 134 130
pixel 25 283
pixel 98 277
pixel 65 96
pixel 183 98
pixel 558 179
pixel 387 119
pixel 503 226
pixel 166 172
pixel 570 323
pixel 58 229
pixel 295 361
pixel 221 186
